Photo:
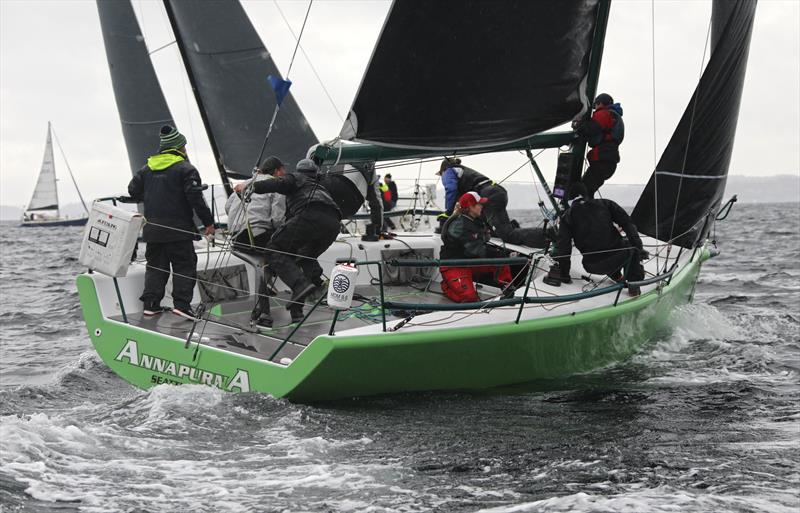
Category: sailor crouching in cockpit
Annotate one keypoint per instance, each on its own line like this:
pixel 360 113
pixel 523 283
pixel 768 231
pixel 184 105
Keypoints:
pixel 465 235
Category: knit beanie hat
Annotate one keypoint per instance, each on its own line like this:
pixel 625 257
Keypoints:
pixel 270 164
pixel 171 139
pixel 306 165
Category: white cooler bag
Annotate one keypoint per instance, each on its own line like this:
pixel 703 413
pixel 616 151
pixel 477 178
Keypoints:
pixel 109 239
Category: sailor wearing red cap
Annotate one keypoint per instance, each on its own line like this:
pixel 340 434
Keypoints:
pixel 465 235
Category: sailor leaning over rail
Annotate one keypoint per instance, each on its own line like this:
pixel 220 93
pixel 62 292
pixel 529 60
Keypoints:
pixel 312 225
pixel 458 179
pixel 170 188
pixel 592 224
pixel 465 235
pixel 252 225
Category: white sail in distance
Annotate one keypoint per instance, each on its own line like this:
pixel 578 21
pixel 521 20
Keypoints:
pixel 45 195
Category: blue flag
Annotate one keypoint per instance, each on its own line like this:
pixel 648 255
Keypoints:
pixel 281 87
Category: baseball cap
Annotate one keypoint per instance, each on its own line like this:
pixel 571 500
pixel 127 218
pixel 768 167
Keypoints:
pixel 471 198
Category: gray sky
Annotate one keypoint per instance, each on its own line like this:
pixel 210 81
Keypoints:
pixel 53 67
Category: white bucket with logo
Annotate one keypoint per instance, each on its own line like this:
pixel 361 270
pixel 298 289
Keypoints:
pixel 341 287
pixel 109 239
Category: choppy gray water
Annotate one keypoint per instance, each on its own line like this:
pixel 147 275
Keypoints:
pixel 706 419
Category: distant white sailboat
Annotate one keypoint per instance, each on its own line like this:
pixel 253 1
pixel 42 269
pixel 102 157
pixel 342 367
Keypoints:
pixel 43 209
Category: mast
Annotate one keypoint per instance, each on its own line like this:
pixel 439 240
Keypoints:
pixel 192 80
pixel 592 77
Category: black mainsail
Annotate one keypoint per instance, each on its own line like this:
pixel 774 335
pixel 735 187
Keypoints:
pixel 475 73
pixel 692 172
pixel 140 101
pixel 228 66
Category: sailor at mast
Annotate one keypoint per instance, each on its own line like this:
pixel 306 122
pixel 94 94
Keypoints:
pixel 604 133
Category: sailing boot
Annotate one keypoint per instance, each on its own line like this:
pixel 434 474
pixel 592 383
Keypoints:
pixel 261 314
pixel 296 311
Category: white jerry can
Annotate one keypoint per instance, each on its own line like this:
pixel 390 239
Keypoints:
pixel 342 286
pixel 109 239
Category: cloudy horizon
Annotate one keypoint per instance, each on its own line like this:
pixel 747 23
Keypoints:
pixel 53 68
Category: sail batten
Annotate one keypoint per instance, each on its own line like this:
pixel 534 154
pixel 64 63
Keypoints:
pixel 229 65
pixel 45 194
pixel 692 172
pixel 474 73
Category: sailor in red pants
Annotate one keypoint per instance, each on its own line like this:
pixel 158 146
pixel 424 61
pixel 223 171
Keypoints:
pixel 464 236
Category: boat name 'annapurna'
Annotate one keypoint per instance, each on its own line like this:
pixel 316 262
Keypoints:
pixel 130 352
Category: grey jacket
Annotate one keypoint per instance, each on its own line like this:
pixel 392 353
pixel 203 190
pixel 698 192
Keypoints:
pixel 266 212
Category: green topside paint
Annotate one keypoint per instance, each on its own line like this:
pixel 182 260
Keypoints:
pixel 474 357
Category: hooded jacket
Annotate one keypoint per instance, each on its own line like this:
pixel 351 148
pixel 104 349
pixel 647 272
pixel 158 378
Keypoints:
pixel 170 188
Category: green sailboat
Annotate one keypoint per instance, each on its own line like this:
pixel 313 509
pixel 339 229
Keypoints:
pixel 400 334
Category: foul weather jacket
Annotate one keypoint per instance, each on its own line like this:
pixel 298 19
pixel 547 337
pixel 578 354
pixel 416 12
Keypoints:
pixel 302 190
pixel 604 133
pixel 350 186
pixel 465 237
pixel 459 180
pixel 170 188
pixel 265 213
pixel 590 223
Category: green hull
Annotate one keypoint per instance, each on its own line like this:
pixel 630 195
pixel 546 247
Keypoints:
pixel 347 366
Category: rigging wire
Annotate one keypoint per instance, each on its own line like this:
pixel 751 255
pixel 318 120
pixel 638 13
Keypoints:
pixel 61 149
pixel 302 28
pixel 310 64
pixel 655 151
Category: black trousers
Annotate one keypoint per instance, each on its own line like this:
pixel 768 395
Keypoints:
pixel 307 234
pixel 614 262
pixel 597 174
pixel 242 242
pixel 160 257
pixel 503 226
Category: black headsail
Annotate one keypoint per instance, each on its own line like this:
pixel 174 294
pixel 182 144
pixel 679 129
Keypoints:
pixel 140 101
pixel 693 169
pixel 473 73
pixel 228 67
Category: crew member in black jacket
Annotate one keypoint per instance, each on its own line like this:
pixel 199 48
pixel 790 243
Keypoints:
pixel 352 185
pixel 592 224
pixel 171 189
pixel 312 224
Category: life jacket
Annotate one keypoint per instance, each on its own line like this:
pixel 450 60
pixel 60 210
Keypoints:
pixel 470 180
pixel 605 145
pixel 386 193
